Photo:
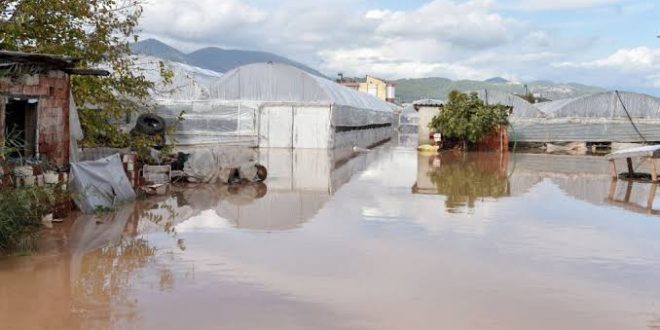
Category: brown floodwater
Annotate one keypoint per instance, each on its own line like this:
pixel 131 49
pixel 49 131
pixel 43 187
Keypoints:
pixel 389 239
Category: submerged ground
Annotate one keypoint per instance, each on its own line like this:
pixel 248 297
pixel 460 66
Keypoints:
pixel 389 239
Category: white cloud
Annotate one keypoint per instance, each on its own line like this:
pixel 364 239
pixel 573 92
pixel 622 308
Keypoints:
pixel 640 65
pixel 458 39
pixel 638 59
pixel 198 18
pixel 534 5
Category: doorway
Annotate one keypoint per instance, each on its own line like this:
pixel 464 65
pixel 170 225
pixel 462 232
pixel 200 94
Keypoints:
pixel 20 131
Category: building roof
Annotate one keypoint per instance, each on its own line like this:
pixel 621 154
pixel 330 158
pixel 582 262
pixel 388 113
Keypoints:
pixel 58 62
pixel 276 82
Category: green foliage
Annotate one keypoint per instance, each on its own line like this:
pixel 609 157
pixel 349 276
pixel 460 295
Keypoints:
pixel 467 178
pixel 21 211
pixel 468 118
pixel 529 97
pixel 98 32
pixel 11 146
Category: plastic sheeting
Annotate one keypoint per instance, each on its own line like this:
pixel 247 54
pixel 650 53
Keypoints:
pixel 275 82
pixel 188 82
pixel 100 183
pixel 521 108
pixel 604 106
pixel 212 122
pixel 75 130
pixel 212 165
pixel 593 118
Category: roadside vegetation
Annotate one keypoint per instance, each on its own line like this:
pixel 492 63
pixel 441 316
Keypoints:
pixel 467 118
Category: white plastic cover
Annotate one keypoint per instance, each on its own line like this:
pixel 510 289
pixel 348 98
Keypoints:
pixel 604 105
pixel 75 130
pixel 276 82
pixel 521 108
pixel 100 183
pixel 212 165
pixel 188 82
pixel 593 118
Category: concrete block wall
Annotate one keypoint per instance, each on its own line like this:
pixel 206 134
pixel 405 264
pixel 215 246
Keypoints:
pixel 52 91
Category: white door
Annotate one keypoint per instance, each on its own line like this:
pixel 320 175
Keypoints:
pixel 311 128
pixel 276 127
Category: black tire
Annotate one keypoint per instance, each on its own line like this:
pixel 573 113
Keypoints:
pixel 150 124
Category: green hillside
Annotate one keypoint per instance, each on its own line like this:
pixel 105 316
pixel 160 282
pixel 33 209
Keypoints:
pixel 409 90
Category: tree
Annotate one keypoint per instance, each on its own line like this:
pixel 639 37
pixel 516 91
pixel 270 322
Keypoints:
pixel 468 118
pixel 98 32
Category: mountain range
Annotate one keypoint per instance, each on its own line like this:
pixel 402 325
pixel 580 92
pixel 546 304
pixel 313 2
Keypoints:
pixel 407 90
pixel 212 58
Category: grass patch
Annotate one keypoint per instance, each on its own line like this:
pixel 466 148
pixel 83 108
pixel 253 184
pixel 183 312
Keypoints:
pixel 21 211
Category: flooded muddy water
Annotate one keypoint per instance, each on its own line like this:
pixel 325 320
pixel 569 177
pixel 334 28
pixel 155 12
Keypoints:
pixel 388 239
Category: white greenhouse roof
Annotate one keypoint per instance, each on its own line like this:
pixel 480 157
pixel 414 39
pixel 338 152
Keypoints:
pixel 521 108
pixel 188 82
pixel 604 105
pixel 276 82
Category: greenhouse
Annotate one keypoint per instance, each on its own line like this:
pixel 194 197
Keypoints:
pixel 280 106
pixel 601 117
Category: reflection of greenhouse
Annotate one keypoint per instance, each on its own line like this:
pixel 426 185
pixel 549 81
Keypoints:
pixel 300 183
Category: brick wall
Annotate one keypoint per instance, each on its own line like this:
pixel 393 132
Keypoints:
pixel 52 90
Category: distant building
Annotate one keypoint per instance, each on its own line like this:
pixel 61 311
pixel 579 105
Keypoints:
pixel 426 109
pixel 379 88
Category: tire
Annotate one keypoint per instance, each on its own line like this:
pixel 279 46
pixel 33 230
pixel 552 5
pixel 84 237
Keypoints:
pixel 150 124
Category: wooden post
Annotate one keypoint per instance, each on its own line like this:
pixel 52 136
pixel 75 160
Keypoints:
pixel 654 172
pixel 651 199
pixel 628 192
pixel 612 192
pixel 631 170
pixel 615 174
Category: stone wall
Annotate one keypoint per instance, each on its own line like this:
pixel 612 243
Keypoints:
pixel 52 90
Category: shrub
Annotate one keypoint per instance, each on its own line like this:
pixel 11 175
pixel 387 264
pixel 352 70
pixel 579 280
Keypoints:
pixel 468 118
pixel 21 211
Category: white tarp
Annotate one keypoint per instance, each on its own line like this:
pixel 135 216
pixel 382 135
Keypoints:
pixel 75 130
pixel 187 82
pixel 521 108
pixel 100 183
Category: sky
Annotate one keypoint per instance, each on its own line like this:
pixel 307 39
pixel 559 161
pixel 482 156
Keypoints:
pixel 607 43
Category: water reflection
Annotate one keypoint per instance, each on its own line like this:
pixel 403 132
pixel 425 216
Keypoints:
pixel 464 178
pixel 341 243
pixel 633 196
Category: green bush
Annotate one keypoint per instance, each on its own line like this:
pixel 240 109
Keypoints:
pixel 21 211
pixel 467 118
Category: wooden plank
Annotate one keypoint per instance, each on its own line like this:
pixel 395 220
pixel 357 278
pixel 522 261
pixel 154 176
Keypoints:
pixel 651 199
pixel 615 174
pixel 612 192
pixel 646 151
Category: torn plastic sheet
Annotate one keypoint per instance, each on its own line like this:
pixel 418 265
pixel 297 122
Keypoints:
pixel 100 183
